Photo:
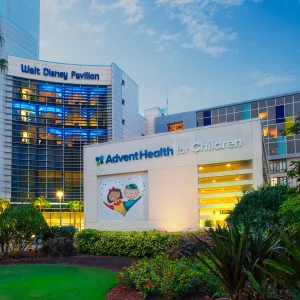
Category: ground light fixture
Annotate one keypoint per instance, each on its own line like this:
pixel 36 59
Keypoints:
pixel 59 195
pixel 228 165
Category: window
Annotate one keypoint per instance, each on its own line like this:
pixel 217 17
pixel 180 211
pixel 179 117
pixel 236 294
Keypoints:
pixel 123 82
pixel 278 181
pixel 207 117
pixel 280 114
pixel 263 115
pixel 175 126
pixel 278 166
pixel 27 94
pixel 123 121
pixel 123 102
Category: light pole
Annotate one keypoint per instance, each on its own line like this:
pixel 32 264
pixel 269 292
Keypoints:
pixel 59 195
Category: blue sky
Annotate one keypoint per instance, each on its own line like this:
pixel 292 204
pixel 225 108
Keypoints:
pixel 207 52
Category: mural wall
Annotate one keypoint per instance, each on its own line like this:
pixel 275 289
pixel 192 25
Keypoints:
pixel 123 197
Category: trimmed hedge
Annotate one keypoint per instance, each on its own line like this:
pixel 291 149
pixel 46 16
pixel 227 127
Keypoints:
pixel 126 243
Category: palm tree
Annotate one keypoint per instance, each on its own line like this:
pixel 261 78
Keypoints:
pixel 3 205
pixel 3 61
pixel 40 203
pixel 76 206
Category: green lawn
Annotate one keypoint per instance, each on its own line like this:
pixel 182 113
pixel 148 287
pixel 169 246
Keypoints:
pixel 45 282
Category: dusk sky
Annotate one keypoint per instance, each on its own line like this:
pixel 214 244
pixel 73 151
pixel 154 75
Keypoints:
pixel 207 52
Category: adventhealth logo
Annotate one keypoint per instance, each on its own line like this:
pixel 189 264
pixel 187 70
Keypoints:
pixel 139 155
pixel 211 145
pixel 100 160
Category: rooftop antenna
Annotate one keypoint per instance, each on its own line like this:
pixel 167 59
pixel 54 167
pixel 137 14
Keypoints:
pixel 166 109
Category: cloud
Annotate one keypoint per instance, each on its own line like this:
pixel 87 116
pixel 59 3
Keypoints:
pixel 151 32
pixel 185 89
pixel 86 26
pixel 202 31
pixel 143 29
pixel 265 79
pixel 52 9
pixel 131 9
pixel 187 46
pixel 169 37
pixel 159 48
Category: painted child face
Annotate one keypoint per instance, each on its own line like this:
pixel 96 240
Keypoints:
pixel 114 196
pixel 131 194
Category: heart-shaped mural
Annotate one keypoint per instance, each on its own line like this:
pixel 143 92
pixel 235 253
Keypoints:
pixel 121 195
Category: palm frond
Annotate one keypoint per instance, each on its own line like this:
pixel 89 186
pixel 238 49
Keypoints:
pixel 3 65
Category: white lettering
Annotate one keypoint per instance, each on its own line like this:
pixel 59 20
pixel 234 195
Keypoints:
pixel 212 145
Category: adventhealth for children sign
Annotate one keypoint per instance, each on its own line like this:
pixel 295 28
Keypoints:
pixel 168 151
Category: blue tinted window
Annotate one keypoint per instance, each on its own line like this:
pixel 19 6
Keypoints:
pixel 280 114
pixel 246 111
pixel 207 117
pixel 281 145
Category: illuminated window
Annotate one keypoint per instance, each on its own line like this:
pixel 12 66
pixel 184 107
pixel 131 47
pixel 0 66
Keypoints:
pixel 263 115
pixel 25 137
pixel 175 126
pixel 238 165
pixel 26 115
pixel 278 181
pixel 26 94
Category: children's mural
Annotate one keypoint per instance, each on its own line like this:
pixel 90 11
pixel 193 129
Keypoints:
pixel 121 193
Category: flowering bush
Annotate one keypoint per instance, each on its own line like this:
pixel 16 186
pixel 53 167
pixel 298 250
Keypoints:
pixel 164 277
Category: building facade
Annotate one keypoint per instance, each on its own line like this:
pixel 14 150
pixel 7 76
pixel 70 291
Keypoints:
pixel 20 27
pixel 277 114
pixel 51 110
pixel 173 181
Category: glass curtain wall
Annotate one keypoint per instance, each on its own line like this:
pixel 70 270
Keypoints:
pixel 277 115
pixel 48 125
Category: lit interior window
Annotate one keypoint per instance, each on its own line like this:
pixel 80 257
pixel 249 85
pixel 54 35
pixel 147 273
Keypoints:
pixel 25 136
pixel 263 115
pixel 175 126
pixel 26 94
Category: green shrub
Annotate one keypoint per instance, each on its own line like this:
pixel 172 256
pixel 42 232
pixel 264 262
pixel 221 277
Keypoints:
pixel 161 276
pixel 122 243
pixel 18 226
pixel 259 208
pixel 61 247
pixel 59 231
pixel 290 212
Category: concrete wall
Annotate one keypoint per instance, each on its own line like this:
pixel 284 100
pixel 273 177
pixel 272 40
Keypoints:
pixel 172 198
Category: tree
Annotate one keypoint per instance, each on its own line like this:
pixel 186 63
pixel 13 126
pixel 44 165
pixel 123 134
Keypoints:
pixel 18 226
pixel 75 207
pixel 290 212
pixel 3 205
pixel 3 61
pixel 259 208
pixel 40 203
pixel 294 172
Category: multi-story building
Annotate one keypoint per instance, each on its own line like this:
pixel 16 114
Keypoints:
pixel 277 114
pixel 20 27
pixel 51 110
